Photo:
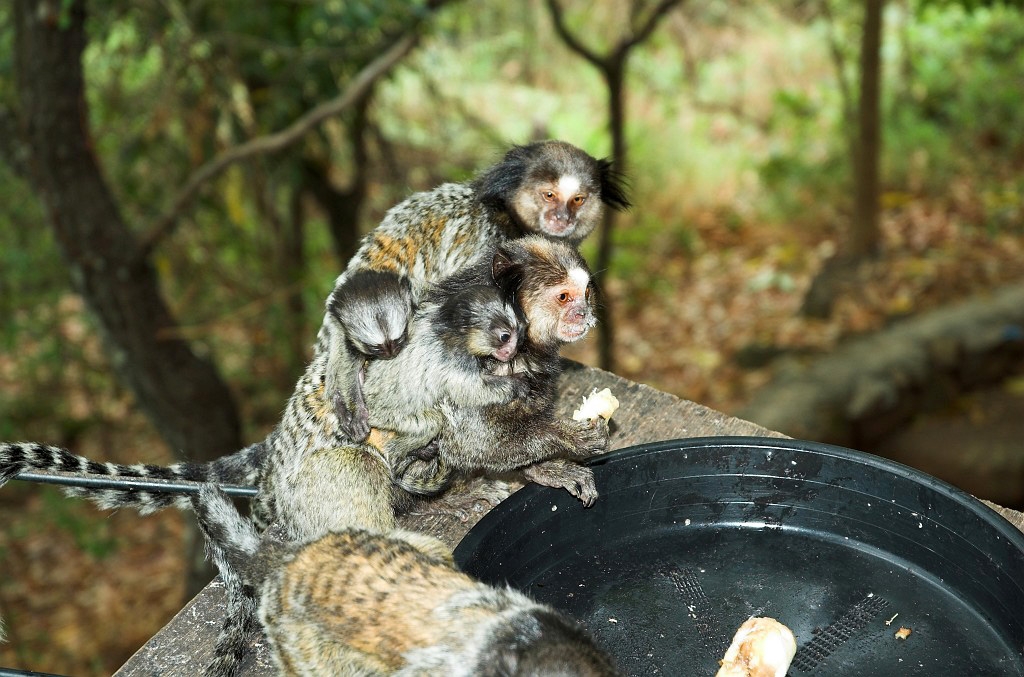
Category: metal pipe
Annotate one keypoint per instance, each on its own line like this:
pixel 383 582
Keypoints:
pixel 128 484
pixel 11 672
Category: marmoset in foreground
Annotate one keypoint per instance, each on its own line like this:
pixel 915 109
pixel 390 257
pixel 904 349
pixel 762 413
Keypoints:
pixel 358 602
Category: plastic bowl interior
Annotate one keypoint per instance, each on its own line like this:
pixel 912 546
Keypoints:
pixel 691 537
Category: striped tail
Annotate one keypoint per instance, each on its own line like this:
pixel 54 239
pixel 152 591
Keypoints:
pixel 238 468
pixel 232 542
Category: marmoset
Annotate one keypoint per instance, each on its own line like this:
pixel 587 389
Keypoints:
pixel 360 602
pixel 549 188
pixel 551 282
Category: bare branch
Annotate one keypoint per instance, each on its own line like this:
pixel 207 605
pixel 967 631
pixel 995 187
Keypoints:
pixel 618 55
pixel 277 141
pixel 558 18
pixel 663 8
pixel 839 63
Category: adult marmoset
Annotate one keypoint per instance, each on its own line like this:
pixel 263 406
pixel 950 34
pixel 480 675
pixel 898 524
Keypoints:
pixel 359 602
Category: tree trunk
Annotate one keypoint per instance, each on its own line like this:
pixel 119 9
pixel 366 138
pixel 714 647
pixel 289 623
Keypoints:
pixel 181 393
pixel 864 234
pixel 613 76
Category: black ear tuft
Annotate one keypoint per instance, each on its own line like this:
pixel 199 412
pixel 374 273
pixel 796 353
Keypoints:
pixel 613 186
pixel 500 181
pixel 506 272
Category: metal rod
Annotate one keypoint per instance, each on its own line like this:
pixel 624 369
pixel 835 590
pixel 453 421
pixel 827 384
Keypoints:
pixel 11 672
pixel 128 484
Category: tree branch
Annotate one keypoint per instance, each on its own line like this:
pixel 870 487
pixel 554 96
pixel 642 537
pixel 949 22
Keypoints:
pixel 277 141
pixel 663 8
pixel 839 63
pixel 558 18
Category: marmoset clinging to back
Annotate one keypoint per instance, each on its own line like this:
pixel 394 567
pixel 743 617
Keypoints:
pixel 359 602
pixel 466 350
pixel 551 283
pixel 549 188
pixel 461 341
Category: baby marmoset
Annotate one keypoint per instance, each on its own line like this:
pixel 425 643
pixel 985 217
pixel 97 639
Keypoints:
pixel 461 340
pixel 548 188
pixel 359 602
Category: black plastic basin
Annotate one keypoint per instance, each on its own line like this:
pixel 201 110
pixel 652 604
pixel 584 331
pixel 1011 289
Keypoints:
pixel 691 537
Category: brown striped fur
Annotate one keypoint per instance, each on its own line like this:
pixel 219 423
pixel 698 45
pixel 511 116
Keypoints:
pixel 367 603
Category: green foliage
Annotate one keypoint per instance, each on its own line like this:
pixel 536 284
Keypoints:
pixel 919 153
pixel 31 274
pixel 964 64
pixel 807 165
pixel 168 91
pixel 6 54
pixel 948 108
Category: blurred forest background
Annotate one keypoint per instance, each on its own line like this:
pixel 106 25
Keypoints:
pixel 182 180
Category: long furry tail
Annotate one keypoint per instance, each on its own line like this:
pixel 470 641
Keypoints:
pixel 231 539
pixel 232 542
pixel 240 468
